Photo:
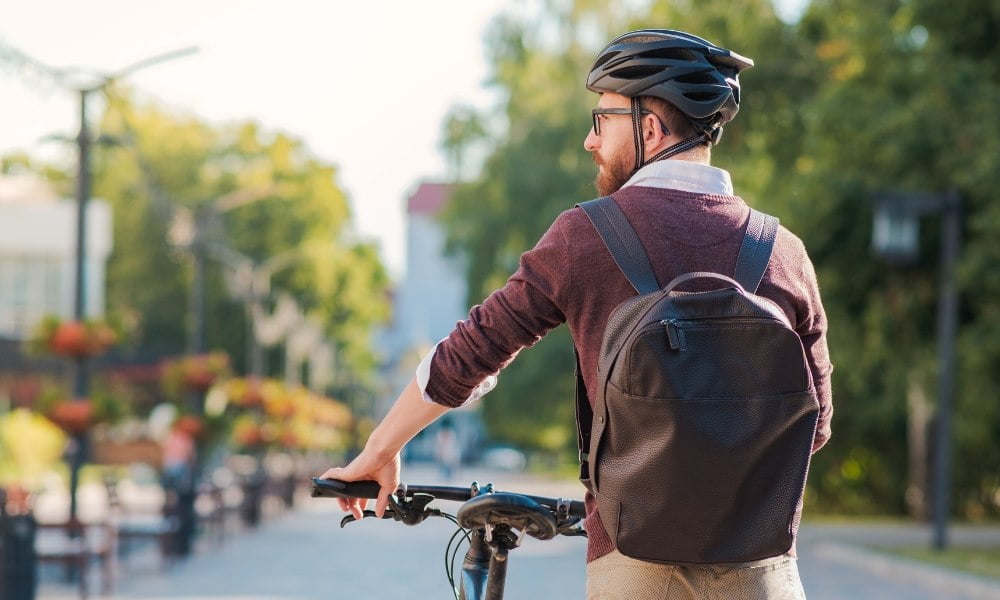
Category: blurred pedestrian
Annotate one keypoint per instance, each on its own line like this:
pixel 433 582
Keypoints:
pixel 447 450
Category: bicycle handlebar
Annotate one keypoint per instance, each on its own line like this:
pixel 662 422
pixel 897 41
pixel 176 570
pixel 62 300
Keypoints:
pixel 335 488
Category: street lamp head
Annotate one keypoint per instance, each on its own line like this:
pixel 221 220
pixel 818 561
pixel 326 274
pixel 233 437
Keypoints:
pixel 895 234
pixel 896 226
pixel 147 62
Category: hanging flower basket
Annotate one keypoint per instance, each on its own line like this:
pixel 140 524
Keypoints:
pixel 73 416
pixel 74 339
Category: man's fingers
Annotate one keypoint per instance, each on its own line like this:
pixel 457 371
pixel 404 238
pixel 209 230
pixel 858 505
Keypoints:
pixel 340 473
pixel 358 509
pixel 383 501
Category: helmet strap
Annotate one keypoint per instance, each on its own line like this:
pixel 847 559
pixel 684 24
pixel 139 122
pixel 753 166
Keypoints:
pixel 679 147
pixel 636 105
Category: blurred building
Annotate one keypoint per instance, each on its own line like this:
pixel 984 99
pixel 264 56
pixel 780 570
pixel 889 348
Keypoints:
pixel 432 296
pixel 428 302
pixel 38 254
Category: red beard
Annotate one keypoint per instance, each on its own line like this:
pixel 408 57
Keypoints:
pixel 613 173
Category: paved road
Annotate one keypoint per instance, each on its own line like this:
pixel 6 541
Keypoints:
pixel 304 555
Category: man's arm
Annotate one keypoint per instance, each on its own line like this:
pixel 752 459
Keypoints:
pixel 812 328
pixel 511 318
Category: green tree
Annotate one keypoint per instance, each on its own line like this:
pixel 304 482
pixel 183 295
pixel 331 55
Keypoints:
pixel 905 104
pixel 171 164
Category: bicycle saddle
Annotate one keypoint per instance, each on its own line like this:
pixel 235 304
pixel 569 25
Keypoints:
pixel 514 510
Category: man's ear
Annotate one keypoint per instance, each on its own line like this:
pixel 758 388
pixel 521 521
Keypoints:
pixel 652 129
pixel 653 135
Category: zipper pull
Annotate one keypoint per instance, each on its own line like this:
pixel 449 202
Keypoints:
pixel 673 334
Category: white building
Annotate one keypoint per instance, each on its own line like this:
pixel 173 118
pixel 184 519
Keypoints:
pixel 38 255
pixel 426 305
pixel 432 296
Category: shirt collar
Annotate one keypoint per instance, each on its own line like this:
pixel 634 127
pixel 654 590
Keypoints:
pixel 684 176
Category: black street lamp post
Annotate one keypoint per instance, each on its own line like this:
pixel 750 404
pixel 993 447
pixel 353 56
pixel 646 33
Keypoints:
pixel 76 454
pixel 81 383
pixel 78 446
pixel 895 237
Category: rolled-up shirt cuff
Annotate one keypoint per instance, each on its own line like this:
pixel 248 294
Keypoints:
pixel 424 376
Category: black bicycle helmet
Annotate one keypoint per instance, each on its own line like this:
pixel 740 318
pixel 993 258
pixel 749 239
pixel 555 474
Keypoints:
pixel 698 77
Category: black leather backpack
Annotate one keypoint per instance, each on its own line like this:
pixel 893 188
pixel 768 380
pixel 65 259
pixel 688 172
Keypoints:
pixel 698 445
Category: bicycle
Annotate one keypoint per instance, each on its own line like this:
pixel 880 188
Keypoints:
pixel 492 522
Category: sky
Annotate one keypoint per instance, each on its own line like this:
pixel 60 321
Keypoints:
pixel 365 85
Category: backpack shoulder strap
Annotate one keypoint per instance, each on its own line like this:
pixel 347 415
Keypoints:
pixel 621 240
pixel 755 253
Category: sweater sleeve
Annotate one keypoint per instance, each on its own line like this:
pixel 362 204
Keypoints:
pixel 811 326
pixel 511 318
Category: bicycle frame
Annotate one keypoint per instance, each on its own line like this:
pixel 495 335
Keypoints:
pixel 481 572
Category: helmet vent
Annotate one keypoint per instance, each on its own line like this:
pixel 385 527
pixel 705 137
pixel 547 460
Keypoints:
pixel 604 60
pixel 696 78
pixel 670 54
pixel 701 96
pixel 636 72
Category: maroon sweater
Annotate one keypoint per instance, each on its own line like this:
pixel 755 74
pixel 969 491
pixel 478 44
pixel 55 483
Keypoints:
pixel 569 276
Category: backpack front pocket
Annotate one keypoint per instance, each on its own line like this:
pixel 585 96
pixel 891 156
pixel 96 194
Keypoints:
pixel 721 478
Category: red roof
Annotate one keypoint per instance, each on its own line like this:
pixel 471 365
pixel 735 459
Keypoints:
pixel 429 199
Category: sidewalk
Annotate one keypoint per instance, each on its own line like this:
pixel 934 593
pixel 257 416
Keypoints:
pixel 304 555
pixel 835 561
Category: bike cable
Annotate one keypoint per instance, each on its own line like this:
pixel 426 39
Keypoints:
pixel 449 565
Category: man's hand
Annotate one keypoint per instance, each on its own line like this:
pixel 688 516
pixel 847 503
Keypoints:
pixel 368 466
pixel 379 460
pixel 821 437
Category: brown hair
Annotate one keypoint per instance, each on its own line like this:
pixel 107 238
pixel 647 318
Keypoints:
pixel 677 123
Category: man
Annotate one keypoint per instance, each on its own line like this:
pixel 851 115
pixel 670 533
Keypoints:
pixel 664 97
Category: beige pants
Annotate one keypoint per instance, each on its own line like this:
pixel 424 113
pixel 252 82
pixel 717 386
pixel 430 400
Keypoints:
pixel 615 576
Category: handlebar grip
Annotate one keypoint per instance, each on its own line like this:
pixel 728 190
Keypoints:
pixel 335 488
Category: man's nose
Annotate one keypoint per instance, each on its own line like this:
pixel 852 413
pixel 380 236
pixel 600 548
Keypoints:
pixel 592 142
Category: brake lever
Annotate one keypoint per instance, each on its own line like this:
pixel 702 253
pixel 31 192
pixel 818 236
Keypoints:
pixel 366 513
pixel 412 511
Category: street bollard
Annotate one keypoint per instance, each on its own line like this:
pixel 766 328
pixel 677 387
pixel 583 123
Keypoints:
pixel 18 567
pixel 253 495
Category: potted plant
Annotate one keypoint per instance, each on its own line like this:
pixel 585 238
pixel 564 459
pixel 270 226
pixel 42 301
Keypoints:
pixel 245 392
pixel 195 372
pixel 249 435
pixel 192 425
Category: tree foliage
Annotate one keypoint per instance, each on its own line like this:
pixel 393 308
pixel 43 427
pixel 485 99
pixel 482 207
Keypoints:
pixel 856 98
pixel 164 166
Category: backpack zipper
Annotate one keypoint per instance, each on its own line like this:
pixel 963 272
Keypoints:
pixel 673 335
pixel 676 337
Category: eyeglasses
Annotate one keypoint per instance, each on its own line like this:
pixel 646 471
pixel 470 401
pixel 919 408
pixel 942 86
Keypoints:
pixel 621 111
